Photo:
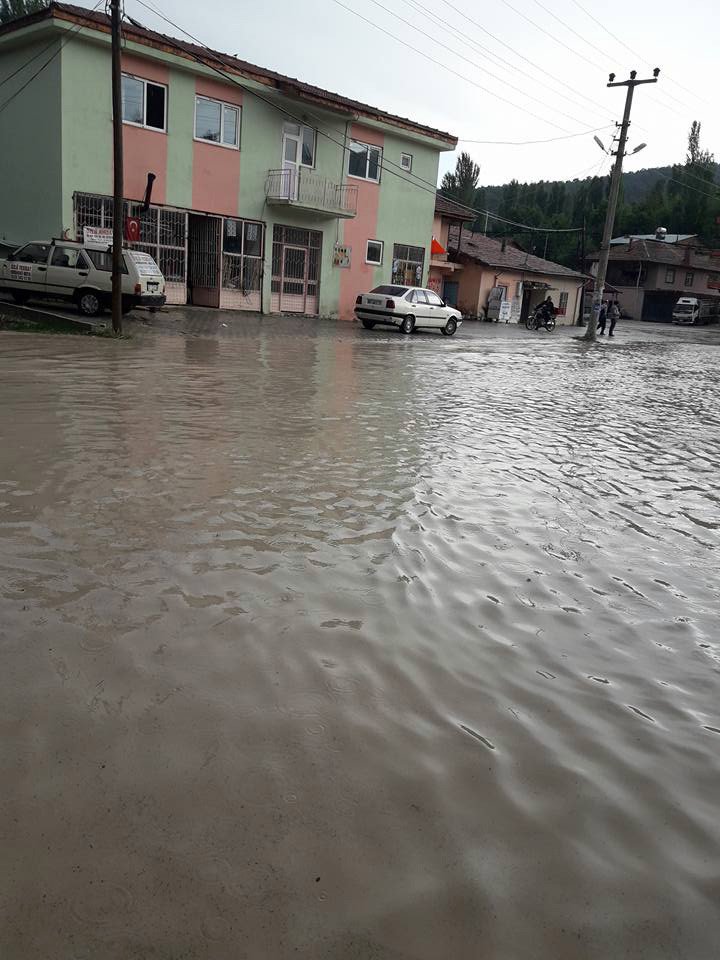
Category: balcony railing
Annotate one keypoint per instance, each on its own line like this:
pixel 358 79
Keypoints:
pixel 311 191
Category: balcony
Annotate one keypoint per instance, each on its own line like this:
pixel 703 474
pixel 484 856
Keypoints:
pixel 309 191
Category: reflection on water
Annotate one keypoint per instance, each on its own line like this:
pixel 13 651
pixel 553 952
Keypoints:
pixel 326 644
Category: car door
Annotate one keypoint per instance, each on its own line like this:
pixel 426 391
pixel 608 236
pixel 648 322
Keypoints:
pixel 422 309
pixel 26 272
pixel 438 313
pixel 67 271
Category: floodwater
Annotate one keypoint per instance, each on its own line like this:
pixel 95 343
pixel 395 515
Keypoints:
pixel 336 645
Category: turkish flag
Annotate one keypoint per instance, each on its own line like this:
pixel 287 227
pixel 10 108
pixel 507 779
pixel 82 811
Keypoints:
pixel 436 247
pixel 132 229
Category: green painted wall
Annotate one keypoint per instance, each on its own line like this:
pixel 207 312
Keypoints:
pixel 30 142
pixel 407 205
pixel 181 106
pixel 86 122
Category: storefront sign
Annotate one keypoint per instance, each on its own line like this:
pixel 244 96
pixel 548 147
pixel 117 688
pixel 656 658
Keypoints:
pixel 98 236
pixel 505 312
pixel 342 255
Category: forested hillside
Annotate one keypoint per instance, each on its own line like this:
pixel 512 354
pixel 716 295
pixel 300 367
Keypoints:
pixel 684 198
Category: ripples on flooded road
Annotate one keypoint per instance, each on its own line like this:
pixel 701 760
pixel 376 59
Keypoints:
pixel 326 644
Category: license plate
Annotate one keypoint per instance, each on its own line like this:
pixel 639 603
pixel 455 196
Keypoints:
pixel 152 286
pixel 371 300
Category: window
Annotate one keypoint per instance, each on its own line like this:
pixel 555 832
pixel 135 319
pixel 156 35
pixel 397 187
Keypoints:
pixel 217 122
pixel 433 299
pixel 374 251
pixel 418 296
pixel 390 291
pixel 71 257
pixel 242 256
pixel 407 265
pixel 33 253
pixel 308 147
pixel 365 161
pixel 406 161
pixel 143 102
pixel 562 306
pixel 689 278
pixel 103 260
pixel 669 275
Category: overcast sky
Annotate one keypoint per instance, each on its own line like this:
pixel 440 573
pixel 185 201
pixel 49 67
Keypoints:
pixel 558 89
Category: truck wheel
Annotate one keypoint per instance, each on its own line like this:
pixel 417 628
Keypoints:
pixel 89 303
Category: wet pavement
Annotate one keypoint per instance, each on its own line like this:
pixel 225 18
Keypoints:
pixel 325 643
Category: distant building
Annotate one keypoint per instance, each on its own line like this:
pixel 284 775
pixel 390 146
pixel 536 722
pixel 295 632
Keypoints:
pixel 651 272
pixel 443 275
pixel 494 271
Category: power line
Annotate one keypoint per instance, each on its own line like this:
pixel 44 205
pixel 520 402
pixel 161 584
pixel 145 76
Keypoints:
pixel 635 54
pixel 431 188
pixel 68 38
pixel 487 52
pixel 524 143
pixel 472 63
pixel 443 66
pixel 516 53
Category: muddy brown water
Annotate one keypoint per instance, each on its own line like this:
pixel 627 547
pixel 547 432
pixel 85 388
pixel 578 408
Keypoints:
pixel 318 643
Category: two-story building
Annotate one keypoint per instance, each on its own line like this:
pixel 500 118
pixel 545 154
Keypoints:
pixel 651 272
pixel 267 193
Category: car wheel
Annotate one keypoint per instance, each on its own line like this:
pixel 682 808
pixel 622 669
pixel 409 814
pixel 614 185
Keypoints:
pixel 408 325
pixel 368 324
pixel 450 327
pixel 19 296
pixel 89 303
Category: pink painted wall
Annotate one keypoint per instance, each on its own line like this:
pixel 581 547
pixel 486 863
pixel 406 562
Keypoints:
pixel 144 151
pixel 216 169
pixel 360 276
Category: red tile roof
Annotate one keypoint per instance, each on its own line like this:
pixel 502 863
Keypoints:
pixel 658 251
pixel 488 251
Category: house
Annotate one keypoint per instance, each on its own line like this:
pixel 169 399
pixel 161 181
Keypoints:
pixel 494 271
pixel 267 193
pixel 651 272
pixel 444 265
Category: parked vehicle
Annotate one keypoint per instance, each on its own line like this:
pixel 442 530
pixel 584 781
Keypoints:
pixel 66 270
pixel 695 310
pixel 408 308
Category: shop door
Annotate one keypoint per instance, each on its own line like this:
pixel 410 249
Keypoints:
pixel 294 280
pixel 450 292
pixel 204 261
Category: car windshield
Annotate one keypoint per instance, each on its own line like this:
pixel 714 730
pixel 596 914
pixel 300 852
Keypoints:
pixel 684 308
pixel 390 291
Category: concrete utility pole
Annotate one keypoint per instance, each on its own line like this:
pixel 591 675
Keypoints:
pixel 117 169
pixel 615 180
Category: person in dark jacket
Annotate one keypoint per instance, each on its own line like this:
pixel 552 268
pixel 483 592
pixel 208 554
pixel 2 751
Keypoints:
pixel 602 317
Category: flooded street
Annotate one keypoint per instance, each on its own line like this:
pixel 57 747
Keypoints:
pixel 341 645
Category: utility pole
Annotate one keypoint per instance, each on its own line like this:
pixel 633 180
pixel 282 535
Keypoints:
pixel 615 180
pixel 117 251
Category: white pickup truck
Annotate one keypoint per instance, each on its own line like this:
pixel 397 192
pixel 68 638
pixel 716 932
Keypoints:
pixel 66 270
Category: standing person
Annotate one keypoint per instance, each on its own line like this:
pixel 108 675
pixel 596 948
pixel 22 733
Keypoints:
pixel 602 317
pixel 613 316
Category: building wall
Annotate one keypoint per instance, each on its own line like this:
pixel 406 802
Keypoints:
pixel 476 282
pixel 30 141
pixel 72 101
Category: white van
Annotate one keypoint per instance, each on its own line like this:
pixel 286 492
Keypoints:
pixel 66 270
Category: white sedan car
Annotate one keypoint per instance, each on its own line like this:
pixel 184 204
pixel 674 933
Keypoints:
pixel 408 308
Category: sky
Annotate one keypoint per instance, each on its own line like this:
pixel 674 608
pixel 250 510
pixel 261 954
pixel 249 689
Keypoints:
pixel 500 70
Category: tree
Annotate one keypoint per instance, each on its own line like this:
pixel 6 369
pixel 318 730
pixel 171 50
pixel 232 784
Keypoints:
pixel 695 155
pixel 461 184
pixel 12 9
